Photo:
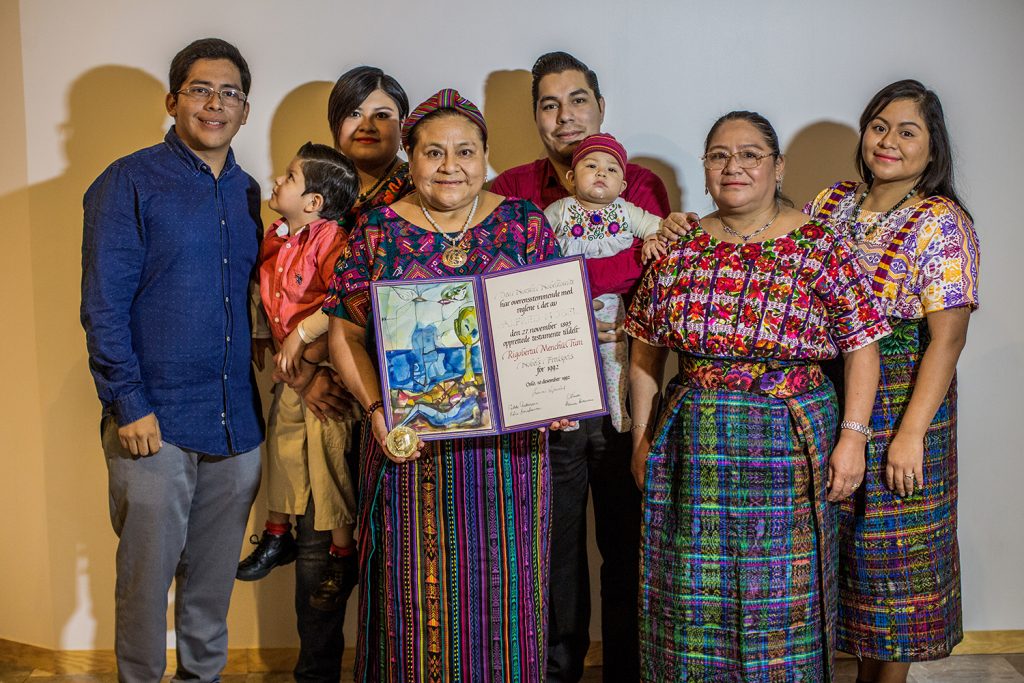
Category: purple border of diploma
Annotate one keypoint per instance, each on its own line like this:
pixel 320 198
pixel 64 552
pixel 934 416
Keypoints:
pixel 603 410
pixel 488 359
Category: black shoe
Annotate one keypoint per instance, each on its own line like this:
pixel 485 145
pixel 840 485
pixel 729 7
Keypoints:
pixel 271 551
pixel 340 577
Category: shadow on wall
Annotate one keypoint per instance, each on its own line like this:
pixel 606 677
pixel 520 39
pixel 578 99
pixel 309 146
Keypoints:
pixel 111 111
pixel 300 117
pixel 667 173
pixel 818 156
pixel 511 130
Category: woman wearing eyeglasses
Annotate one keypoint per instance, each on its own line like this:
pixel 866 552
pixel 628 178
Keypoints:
pixel 739 458
pixel 899 569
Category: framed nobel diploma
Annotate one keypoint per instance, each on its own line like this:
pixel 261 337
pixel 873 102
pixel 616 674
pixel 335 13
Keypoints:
pixel 488 354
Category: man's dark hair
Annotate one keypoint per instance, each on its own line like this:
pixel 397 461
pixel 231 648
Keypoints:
pixel 556 63
pixel 331 175
pixel 206 48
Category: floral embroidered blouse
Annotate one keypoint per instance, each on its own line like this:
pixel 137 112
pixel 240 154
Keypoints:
pixel 921 259
pixel 801 296
pixel 602 233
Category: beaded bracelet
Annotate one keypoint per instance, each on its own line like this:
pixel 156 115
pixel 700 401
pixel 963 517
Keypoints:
pixel 639 426
pixel 374 407
pixel 857 427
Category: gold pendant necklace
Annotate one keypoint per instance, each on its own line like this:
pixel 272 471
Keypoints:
pixel 454 254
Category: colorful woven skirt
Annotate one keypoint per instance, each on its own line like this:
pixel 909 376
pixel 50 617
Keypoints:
pixel 454 556
pixel 899 570
pixel 738 560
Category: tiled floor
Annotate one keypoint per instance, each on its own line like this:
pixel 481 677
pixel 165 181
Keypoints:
pixel 26 664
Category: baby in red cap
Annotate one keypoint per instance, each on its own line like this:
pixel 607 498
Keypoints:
pixel 597 223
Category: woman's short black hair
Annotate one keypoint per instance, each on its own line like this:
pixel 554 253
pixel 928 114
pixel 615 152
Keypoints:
pixel 206 48
pixel 354 86
pixel 937 178
pixel 330 174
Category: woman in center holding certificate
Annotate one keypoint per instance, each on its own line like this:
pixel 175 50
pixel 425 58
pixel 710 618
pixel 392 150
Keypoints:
pixel 737 561
pixel 453 539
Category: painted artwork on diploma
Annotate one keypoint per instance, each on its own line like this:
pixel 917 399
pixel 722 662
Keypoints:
pixel 488 354
pixel 434 379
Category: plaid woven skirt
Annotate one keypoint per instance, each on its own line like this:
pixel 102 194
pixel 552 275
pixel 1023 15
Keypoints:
pixel 738 554
pixel 454 562
pixel 899 570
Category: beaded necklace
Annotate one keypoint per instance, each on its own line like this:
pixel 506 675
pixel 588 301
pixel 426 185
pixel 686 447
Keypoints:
pixel 363 196
pixel 863 230
pixel 454 255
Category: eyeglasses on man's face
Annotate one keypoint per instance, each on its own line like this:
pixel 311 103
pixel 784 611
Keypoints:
pixel 229 97
pixel 745 158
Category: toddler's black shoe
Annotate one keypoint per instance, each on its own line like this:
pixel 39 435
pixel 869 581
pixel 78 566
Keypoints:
pixel 271 551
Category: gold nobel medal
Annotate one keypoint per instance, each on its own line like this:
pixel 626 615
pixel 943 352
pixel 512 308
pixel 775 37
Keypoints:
pixel 454 256
pixel 402 442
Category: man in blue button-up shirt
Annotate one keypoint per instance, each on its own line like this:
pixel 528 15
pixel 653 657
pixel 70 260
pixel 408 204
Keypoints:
pixel 169 247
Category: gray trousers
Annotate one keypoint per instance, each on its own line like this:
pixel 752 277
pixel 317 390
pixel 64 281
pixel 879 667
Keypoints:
pixel 180 516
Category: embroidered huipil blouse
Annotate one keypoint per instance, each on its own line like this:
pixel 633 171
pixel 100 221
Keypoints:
pixel 801 296
pixel 933 264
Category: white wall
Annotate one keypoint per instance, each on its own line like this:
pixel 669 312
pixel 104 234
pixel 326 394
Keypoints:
pixel 93 75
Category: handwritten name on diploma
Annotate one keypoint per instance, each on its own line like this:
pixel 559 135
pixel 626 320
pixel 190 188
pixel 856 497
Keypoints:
pixel 541 339
pixel 538 344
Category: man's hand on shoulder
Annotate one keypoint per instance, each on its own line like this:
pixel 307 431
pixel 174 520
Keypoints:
pixel 678 224
pixel 141 437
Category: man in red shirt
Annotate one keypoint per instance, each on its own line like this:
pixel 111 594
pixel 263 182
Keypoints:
pixel 568 107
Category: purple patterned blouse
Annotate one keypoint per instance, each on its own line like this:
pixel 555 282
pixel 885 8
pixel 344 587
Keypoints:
pixel 385 246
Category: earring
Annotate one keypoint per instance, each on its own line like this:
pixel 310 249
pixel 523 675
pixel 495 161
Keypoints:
pixel 778 185
pixel 706 190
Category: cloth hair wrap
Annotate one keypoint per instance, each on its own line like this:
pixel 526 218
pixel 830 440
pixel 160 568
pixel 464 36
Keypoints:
pixel 446 98
pixel 600 142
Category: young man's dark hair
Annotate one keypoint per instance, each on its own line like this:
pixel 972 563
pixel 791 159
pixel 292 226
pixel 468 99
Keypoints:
pixel 331 175
pixel 556 63
pixel 206 48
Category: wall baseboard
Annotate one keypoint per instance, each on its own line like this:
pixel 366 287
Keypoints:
pixel 42 661
pixel 991 643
